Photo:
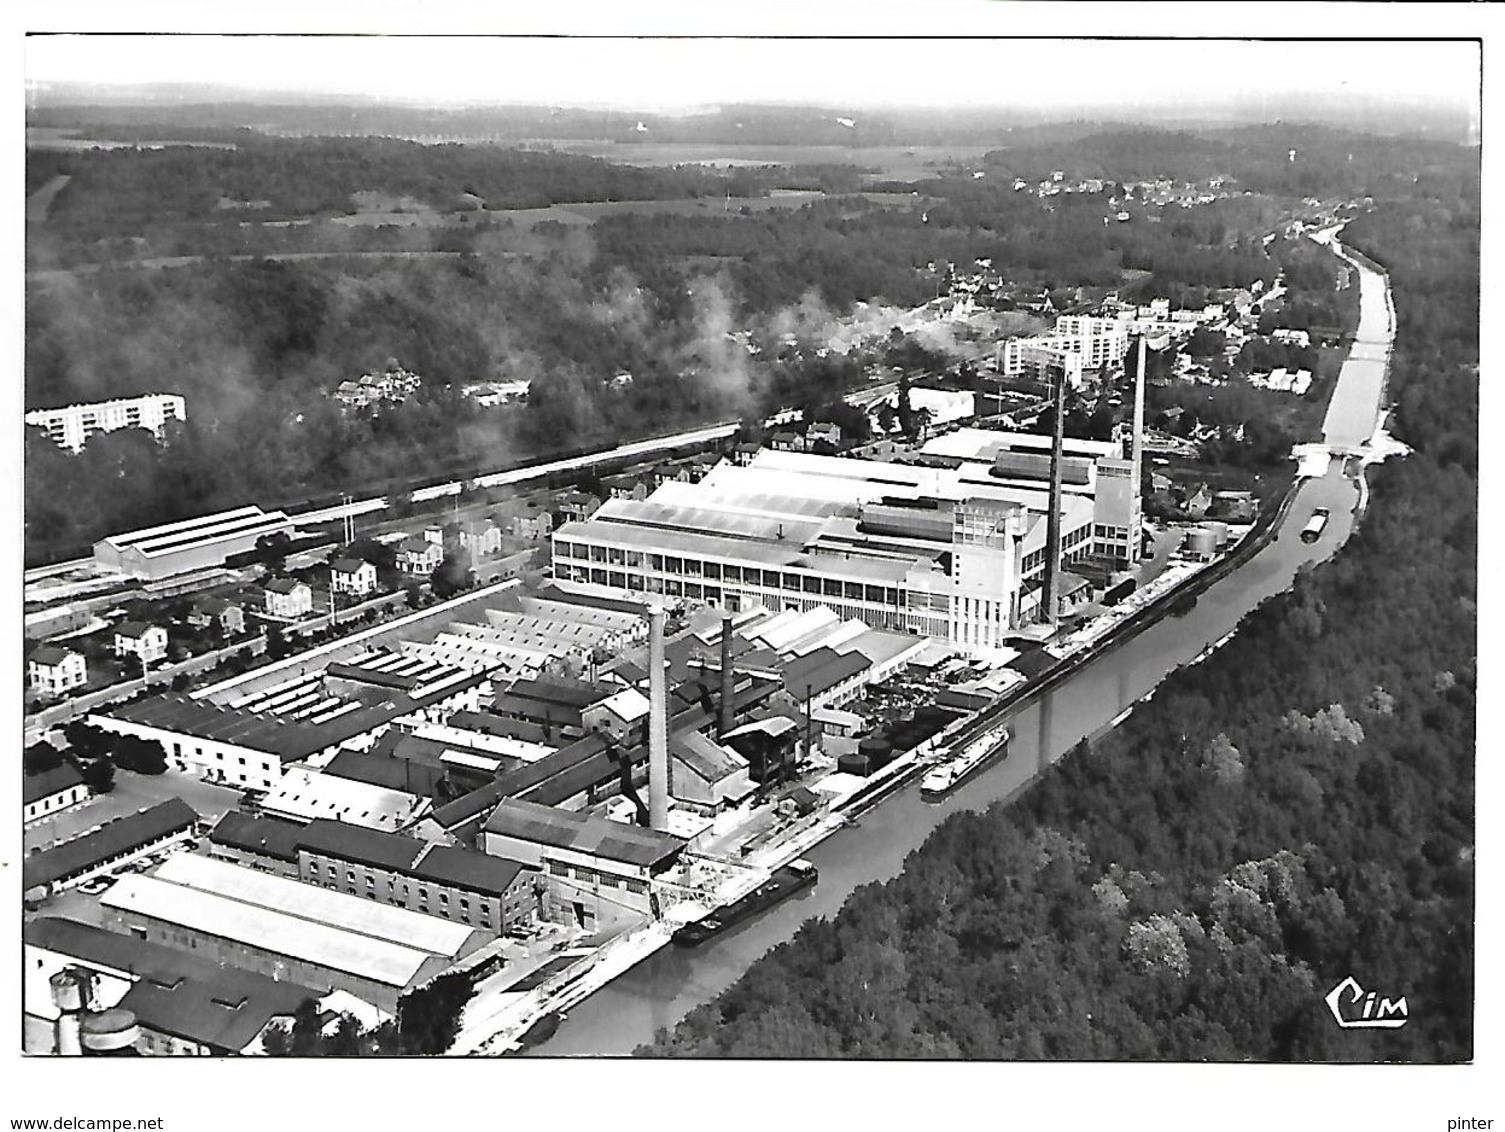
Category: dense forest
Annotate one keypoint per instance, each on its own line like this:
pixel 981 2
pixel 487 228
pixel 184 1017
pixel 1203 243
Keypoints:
pixel 697 308
pixel 1297 809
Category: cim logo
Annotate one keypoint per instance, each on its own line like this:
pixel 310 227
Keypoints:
pixel 1354 1008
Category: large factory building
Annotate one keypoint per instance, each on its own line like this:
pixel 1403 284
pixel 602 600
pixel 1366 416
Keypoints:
pixel 953 547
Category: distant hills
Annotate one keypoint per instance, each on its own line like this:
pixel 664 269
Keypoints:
pixel 195 108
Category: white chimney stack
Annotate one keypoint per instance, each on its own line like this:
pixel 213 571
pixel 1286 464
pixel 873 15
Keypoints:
pixel 658 725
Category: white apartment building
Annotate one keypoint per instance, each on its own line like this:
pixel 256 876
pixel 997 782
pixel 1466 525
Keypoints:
pixel 71 426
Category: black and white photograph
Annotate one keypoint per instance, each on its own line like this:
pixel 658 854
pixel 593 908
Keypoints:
pixel 812 545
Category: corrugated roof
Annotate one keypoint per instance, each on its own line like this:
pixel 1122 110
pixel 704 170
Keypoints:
pixel 822 670
pixel 583 833
pixel 269 929
pixel 109 841
pixel 312 904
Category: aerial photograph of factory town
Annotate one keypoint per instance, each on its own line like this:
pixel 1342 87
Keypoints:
pixel 525 572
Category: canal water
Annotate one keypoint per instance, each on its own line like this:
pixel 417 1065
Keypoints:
pixel 665 987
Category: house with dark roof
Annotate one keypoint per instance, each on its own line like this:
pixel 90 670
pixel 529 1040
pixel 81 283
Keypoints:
pixel 114 843
pixel 146 643
pixel 52 671
pixel 586 858
pixel 576 506
pixel 289 598
pixel 51 792
pixel 228 615
pixel 352 576
pixel 418 557
pixel 184 1004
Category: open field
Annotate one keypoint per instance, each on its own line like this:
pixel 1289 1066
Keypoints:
pixel 900 163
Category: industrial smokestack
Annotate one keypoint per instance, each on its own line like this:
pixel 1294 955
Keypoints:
pixel 658 737
pixel 1050 595
pixel 1136 455
pixel 724 715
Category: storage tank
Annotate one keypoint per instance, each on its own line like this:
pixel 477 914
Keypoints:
pixel 1220 530
pixel 110 1031
pixel 1201 542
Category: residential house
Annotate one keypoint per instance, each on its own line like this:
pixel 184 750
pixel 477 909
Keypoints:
pixel 53 671
pixel 532 526
pixel 419 557
pixel 824 432
pixel 147 643
pixel 289 598
pixel 742 454
pixel 628 487
pixel 1198 502
pixel 229 616
pixel 352 576
pixel 576 506
pixel 787 442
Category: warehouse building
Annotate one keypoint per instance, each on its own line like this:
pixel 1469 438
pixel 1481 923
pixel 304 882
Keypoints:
pixel 583 854
pixel 286 929
pixel 189 544
pixel 110 845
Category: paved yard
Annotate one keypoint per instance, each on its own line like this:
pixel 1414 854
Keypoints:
pixel 132 792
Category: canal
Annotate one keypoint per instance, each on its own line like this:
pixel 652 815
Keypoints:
pixel 667 985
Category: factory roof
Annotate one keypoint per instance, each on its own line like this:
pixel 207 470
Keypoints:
pixel 417 777
pixel 315 905
pixel 288 739
pixel 359 844
pixel 705 756
pixel 985 444
pixel 468 869
pixel 109 841
pixel 822 670
pixel 583 833
pixel 268 837
pixel 307 794
pixel 269 929
pixel 177 993
pixel 35 787
pixel 204 530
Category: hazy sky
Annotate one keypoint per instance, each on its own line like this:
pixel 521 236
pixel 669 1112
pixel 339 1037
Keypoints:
pixel 645 73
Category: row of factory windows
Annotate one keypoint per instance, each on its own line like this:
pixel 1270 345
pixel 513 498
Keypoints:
pixel 595 877
pixel 463 911
pixel 790 583
pixel 1075 545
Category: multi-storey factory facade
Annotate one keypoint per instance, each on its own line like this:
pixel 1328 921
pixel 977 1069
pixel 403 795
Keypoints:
pixel 953 548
